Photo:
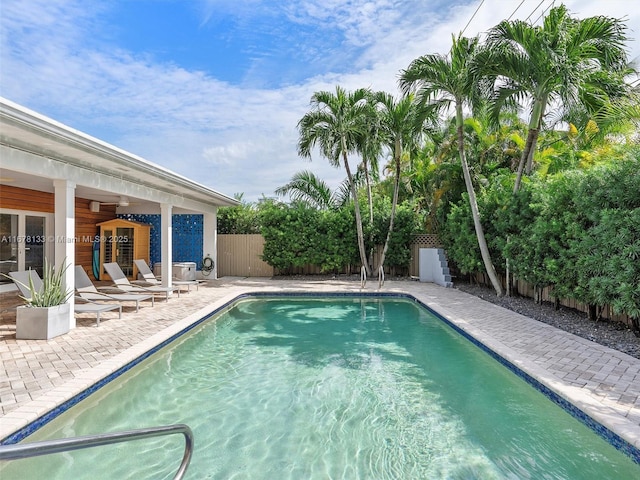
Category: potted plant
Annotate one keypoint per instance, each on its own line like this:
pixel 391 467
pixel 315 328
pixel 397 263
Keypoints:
pixel 46 313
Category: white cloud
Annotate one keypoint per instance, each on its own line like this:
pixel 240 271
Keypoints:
pixel 57 58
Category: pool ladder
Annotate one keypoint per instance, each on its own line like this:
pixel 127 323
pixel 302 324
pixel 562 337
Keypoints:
pixel 363 276
pixel 19 451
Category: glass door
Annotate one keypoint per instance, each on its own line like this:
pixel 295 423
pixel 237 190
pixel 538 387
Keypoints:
pixel 124 249
pixel 35 236
pixel 119 248
pixel 8 245
pixel 23 241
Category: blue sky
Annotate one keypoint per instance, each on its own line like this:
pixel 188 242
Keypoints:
pixel 213 89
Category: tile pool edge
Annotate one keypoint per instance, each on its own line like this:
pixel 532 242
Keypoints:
pixel 528 371
pixel 535 376
pixel 92 379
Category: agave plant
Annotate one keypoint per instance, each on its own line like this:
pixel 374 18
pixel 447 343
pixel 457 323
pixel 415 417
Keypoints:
pixel 52 292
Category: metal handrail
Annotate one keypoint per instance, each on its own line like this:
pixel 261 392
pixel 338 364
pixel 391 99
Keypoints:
pixel 46 447
pixel 380 276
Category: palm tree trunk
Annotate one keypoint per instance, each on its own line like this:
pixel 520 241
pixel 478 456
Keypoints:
pixel 532 137
pixel 529 167
pixel 369 195
pixel 482 243
pixel 394 202
pixel 539 113
pixel 370 200
pixel 533 133
pixel 356 206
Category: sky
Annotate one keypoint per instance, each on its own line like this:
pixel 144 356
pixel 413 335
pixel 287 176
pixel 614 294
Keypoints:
pixel 214 89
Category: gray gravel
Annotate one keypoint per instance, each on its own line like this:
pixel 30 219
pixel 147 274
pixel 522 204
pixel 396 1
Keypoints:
pixel 610 334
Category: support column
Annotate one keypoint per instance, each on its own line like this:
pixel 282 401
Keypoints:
pixel 65 231
pixel 166 245
pixel 210 241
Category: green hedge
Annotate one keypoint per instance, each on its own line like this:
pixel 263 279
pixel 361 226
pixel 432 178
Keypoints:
pixel 297 235
pixel 243 219
pixel 577 232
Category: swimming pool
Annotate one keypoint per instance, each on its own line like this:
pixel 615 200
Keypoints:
pixel 340 388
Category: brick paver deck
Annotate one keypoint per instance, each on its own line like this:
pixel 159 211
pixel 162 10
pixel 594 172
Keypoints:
pixel 36 376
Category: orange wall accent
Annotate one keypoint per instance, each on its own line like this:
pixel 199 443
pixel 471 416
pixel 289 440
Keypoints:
pixel 25 199
pixel 32 200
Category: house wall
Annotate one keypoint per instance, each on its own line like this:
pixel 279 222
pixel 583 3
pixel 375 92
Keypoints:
pixel 24 199
pixel 187 239
pixel 187 229
pixel 86 220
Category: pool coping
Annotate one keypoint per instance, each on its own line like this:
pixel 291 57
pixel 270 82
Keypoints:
pixel 618 430
pixel 605 425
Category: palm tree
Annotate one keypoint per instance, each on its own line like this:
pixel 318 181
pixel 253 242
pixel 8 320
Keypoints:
pixel 305 186
pixel 433 179
pixel 400 128
pixel 618 116
pixel 445 81
pixel 563 61
pixel 335 125
pixel 369 146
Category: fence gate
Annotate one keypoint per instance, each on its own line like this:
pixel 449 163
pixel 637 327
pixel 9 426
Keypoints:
pixel 239 256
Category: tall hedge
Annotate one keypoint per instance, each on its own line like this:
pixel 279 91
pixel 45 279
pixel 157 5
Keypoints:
pixel 405 225
pixel 241 219
pixel 297 235
pixel 577 232
pixel 607 253
pixel 289 234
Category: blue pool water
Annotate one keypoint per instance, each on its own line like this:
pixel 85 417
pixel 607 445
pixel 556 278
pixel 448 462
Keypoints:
pixel 339 388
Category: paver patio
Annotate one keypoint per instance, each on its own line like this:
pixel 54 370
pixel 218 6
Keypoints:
pixel 36 376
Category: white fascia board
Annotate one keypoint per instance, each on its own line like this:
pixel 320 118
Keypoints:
pixel 37 165
pixel 39 124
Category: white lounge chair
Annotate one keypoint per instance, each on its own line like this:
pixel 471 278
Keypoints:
pixel 82 305
pixel 151 279
pixel 21 280
pixel 87 290
pixel 122 282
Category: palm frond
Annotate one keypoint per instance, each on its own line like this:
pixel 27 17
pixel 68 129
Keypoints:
pixel 308 188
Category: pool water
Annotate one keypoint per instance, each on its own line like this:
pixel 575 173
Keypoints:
pixel 339 388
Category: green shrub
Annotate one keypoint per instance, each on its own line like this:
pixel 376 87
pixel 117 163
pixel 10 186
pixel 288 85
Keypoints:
pixel 577 231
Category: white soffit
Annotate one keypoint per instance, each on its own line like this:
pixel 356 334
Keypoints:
pixel 30 132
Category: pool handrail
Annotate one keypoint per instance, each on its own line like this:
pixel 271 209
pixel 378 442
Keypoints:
pixel 46 447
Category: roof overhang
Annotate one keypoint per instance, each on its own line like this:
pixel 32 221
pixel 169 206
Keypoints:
pixel 35 150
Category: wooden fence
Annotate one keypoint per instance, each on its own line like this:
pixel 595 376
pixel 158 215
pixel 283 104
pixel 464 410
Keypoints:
pixel 525 289
pixel 239 256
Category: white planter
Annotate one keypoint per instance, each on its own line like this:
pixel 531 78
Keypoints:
pixel 42 323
